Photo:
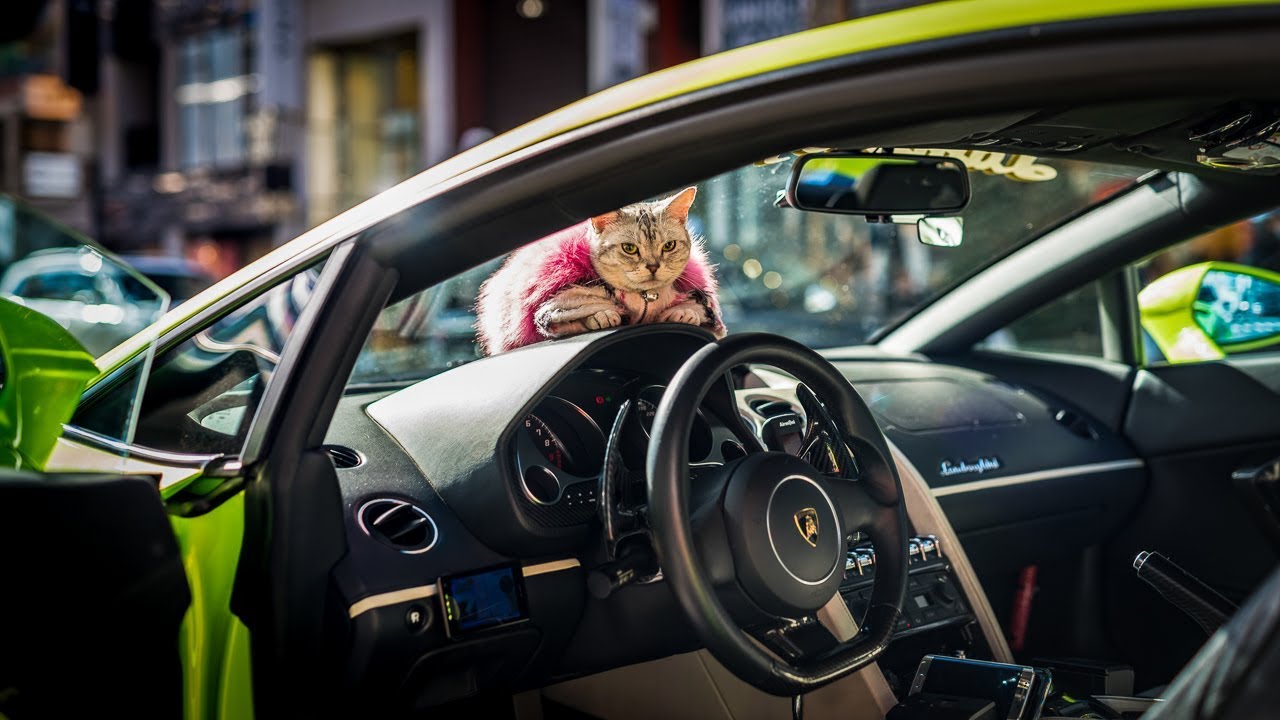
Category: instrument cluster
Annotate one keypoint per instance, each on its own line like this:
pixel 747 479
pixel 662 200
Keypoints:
pixel 560 444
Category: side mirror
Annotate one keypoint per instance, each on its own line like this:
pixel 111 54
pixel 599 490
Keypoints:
pixel 1210 310
pixel 878 185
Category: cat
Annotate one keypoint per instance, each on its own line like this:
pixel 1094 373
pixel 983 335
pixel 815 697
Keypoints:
pixel 638 264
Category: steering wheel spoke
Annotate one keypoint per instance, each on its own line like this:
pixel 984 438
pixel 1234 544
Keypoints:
pixel 836 618
pixel 858 510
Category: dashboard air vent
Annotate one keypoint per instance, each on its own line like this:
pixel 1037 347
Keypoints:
pixel 769 407
pixel 1075 424
pixel 344 457
pixel 399 524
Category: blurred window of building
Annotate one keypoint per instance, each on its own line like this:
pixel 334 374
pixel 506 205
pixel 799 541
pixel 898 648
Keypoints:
pixel 212 95
pixel 364 121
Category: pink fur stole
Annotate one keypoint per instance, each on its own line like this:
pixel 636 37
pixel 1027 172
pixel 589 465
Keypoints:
pixel 556 262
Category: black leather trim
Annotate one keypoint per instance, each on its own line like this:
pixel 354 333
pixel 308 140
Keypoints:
pixel 1233 675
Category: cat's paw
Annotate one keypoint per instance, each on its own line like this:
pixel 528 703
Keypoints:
pixel 687 313
pixel 602 319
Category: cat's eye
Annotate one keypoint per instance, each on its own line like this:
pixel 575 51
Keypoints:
pixel 630 248
pixel 671 245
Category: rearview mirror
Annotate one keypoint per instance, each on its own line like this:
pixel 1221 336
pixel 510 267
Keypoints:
pixel 1210 310
pixel 878 185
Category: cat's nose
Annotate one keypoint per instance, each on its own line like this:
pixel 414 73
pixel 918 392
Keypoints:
pixel 653 268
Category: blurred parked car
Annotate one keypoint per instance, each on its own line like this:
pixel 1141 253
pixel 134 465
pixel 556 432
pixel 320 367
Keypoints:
pixel 99 303
pixel 178 277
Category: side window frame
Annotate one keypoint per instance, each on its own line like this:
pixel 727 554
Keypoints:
pixel 1117 314
pixel 1121 328
pixel 183 332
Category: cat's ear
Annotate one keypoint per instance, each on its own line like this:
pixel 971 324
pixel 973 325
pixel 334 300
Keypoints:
pixel 677 206
pixel 600 222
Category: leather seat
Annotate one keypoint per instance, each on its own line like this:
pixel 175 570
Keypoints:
pixel 1236 675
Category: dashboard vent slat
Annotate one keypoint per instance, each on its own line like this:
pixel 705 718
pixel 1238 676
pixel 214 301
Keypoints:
pixel 398 524
pixel 344 458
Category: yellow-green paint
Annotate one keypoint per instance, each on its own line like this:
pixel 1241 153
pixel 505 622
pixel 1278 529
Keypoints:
pixel 44 369
pixel 213 643
pixel 1167 309
pixel 923 23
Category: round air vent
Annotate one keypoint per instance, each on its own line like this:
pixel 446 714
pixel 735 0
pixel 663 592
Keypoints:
pixel 344 457
pixel 399 524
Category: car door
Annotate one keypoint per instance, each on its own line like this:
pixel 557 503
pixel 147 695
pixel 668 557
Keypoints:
pixel 1192 420
pixel 182 417
pixel 94 583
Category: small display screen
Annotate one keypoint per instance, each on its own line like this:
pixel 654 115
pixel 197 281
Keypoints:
pixel 483 600
pixel 969 678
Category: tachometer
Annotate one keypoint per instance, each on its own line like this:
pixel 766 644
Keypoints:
pixel 565 436
pixel 545 439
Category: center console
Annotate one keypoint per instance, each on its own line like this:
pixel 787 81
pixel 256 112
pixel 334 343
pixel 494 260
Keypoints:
pixel 936 617
pixel 951 688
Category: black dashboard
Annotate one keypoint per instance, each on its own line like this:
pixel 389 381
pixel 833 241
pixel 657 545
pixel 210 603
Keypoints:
pixel 493 464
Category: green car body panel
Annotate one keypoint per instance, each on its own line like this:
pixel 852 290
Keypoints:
pixel 1173 315
pixel 214 644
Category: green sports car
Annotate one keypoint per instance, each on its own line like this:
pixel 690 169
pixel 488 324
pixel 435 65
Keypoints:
pixel 942 465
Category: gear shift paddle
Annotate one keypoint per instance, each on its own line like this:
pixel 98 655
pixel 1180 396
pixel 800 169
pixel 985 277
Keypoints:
pixel 1200 602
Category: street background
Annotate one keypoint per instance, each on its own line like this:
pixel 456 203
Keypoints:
pixel 218 129
pixel 193 136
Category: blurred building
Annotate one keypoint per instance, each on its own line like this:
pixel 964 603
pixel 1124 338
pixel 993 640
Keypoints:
pixel 46 142
pixel 218 129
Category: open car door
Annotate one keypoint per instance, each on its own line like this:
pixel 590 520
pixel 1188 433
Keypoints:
pixel 95 590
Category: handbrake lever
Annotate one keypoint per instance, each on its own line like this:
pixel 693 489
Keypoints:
pixel 1204 605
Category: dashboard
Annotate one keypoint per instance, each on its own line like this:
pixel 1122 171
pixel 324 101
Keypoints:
pixel 488 473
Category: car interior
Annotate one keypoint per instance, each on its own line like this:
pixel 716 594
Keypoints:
pixel 646 522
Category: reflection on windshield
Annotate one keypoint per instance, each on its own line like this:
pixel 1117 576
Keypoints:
pixel 824 280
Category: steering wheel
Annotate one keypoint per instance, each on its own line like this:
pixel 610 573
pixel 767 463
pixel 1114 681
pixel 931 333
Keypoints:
pixel 762 541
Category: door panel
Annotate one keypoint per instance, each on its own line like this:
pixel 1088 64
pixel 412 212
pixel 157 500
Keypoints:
pixel 1195 424
pixel 1177 408
pixel 94 594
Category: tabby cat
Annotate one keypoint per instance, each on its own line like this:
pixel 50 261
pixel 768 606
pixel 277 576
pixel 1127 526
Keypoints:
pixel 635 265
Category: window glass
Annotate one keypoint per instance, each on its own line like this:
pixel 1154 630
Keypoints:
pixel 202 394
pixel 213 83
pixel 59 273
pixel 824 280
pixel 1215 295
pixel 1070 325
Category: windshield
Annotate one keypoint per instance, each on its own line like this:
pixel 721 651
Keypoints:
pixel 822 279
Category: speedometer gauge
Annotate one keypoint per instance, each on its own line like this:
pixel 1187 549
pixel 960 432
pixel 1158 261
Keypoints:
pixel 646 404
